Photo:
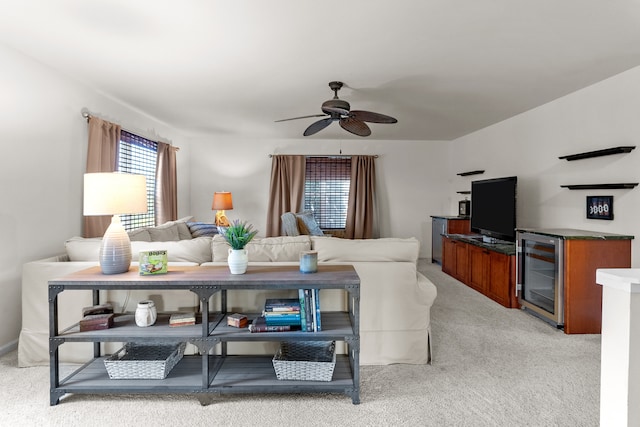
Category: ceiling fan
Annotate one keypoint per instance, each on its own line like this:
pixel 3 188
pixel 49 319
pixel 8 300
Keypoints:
pixel 339 110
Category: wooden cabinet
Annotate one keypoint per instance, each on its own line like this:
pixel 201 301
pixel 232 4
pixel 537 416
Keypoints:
pixel 441 225
pixel 455 258
pixel 489 272
pixel 558 274
pixel 583 296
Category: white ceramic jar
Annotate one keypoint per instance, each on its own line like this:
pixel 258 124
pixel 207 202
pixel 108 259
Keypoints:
pixel 146 314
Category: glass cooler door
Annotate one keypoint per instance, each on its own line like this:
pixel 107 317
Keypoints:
pixel 541 289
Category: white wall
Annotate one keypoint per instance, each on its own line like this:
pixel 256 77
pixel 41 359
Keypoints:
pixel 409 176
pixel 601 116
pixel 43 138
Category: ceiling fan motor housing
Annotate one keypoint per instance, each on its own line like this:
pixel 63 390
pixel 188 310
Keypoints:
pixel 330 106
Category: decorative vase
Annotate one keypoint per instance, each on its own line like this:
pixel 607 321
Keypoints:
pixel 238 260
pixel 146 314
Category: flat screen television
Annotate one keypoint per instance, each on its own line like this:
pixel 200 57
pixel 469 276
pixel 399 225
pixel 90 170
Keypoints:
pixel 493 208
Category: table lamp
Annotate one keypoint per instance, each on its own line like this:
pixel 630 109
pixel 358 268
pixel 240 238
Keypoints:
pixel 221 202
pixel 114 193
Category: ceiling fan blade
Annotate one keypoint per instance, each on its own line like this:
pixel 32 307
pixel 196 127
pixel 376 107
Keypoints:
pixel 317 126
pixel 368 116
pixel 301 117
pixel 354 126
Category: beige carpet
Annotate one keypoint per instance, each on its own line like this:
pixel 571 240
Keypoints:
pixel 493 367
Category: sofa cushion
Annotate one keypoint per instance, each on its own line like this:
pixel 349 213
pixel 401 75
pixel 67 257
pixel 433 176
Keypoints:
pixel 385 249
pixel 283 248
pixel 81 249
pixel 192 250
pixel 196 250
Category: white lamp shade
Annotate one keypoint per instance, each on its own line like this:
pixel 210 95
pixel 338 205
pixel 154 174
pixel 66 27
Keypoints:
pixel 114 193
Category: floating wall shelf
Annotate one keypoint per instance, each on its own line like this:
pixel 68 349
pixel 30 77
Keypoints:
pixel 599 153
pixel 600 186
pixel 463 192
pixel 471 173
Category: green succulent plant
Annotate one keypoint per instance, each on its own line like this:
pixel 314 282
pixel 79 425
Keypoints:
pixel 238 234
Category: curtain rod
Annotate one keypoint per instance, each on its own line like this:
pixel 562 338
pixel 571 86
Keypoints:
pixel 326 155
pixel 87 115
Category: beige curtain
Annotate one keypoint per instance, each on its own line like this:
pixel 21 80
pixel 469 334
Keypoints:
pixel 286 190
pixel 362 198
pixel 166 184
pixel 102 155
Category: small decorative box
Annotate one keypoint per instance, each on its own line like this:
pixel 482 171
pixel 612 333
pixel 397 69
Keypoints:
pixel 153 262
pixel 96 322
pixel 238 320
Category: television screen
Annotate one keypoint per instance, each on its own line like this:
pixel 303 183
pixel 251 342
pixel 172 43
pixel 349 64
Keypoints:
pixel 493 207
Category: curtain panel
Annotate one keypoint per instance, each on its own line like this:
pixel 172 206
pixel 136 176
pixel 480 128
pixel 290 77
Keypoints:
pixel 102 153
pixel 362 198
pixel 166 193
pixel 286 190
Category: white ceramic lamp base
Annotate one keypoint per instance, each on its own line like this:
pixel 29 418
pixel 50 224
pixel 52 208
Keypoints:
pixel 115 250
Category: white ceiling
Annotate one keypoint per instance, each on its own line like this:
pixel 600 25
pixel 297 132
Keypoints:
pixel 443 68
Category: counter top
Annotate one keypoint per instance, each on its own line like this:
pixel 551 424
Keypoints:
pixel 476 240
pixel 569 233
pixel 450 217
pixel 623 279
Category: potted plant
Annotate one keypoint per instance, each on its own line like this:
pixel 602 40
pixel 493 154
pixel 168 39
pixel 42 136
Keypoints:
pixel 238 235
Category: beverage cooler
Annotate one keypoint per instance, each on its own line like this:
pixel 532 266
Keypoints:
pixel 540 277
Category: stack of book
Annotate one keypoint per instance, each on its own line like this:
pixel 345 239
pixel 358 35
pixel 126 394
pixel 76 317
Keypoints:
pixel 279 315
pixel 310 310
pixel 282 312
pixel 290 314
pixel 182 319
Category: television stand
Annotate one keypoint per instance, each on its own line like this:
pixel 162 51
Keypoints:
pixel 489 268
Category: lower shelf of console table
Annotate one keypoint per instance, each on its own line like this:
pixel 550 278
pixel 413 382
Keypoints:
pixel 237 374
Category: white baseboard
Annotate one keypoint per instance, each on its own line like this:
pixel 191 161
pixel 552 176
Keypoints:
pixel 9 347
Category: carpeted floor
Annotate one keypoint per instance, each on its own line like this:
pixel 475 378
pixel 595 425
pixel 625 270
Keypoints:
pixel 492 367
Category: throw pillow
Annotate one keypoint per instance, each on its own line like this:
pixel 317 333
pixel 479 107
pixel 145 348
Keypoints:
pixel 164 233
pixel 307 224
pixel 199 229
pixel 140 235
pixel 289 224
pixel 183 229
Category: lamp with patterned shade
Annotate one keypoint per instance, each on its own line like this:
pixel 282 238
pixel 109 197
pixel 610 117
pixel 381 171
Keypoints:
pixel 221 202
pixel 113 193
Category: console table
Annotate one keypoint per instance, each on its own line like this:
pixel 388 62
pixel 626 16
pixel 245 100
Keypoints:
pixel 206 373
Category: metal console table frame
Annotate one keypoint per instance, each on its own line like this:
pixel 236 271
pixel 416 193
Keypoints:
pixel 207 374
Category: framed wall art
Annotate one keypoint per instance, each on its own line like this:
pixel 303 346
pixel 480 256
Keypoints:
pixel 600 207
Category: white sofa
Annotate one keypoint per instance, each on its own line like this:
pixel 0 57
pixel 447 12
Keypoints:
pixel 395 299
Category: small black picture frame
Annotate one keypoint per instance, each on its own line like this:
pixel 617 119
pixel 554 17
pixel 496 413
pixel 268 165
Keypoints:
pixel 600 207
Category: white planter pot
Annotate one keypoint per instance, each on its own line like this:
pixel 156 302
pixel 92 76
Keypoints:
pixel 238 260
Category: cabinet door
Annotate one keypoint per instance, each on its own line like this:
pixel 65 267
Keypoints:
pixel 478 268
pixel 499 278
pixel 462 262
pixel 448 256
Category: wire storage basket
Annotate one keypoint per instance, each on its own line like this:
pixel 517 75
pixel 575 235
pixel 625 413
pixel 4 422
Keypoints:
pixel 305 360
pixel 144 360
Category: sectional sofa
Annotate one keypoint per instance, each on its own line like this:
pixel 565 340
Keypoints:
pixel 395 299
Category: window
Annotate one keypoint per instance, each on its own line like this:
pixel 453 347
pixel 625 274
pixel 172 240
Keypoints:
pixel 139 155
pixel 326 190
